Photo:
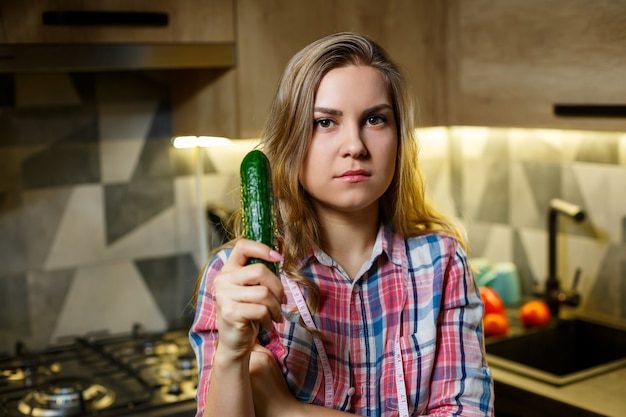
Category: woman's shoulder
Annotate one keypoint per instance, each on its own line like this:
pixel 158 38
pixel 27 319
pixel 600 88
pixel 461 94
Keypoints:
pixel 217 260
pixel 440 241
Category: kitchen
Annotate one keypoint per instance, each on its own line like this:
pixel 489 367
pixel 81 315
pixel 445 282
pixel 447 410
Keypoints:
pixel 86 146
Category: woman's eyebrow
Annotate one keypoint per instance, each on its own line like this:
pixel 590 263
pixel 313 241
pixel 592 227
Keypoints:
pixel 378 108
pixel 335 112
pixel 327 110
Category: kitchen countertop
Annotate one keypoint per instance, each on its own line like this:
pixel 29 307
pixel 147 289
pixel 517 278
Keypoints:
pixel 603 394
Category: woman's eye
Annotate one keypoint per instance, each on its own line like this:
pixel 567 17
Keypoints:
pixel 324 123
pixel 375 120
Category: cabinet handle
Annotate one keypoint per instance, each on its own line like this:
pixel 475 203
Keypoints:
pixel 103 18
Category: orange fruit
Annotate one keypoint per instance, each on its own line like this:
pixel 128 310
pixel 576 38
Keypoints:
pixel 535 313
pixel 495 324
pixel 492 301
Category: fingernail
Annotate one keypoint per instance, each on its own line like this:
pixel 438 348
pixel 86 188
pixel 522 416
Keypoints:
pixel 276 256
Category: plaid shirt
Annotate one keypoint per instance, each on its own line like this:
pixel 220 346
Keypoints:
pixel 418 291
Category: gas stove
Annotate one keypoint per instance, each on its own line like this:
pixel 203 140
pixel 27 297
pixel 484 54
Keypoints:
pixel 137 374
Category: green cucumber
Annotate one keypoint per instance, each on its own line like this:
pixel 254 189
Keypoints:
pixel 257 202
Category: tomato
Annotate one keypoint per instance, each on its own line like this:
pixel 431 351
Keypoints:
pixel 535 313
pixel 495 324
pixel 492 301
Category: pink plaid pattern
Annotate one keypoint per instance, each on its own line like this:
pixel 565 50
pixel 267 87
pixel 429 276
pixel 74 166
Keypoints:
pixel 418 291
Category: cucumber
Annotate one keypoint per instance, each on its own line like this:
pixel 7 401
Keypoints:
pixel 257 202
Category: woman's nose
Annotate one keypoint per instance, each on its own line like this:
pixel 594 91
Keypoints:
pixel 353 145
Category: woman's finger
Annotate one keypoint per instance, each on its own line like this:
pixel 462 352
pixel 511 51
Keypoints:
pixel 241 315
pixel 255 295
pixel 257 274
pixel 245 249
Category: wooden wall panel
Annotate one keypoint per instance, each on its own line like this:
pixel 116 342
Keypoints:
pixel 510 61
pixel 270 32
pixel 189 21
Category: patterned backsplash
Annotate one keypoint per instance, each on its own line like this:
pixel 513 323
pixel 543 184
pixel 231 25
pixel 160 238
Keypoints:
pixel 97 209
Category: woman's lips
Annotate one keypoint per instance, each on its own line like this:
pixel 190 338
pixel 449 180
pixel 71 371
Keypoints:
pixel 356 175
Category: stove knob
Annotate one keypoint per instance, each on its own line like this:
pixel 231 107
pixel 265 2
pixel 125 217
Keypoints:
pixel 185 362
pixel 174 389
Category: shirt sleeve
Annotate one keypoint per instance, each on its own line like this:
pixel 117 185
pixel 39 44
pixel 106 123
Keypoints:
pixel 203 331
pixel 461 381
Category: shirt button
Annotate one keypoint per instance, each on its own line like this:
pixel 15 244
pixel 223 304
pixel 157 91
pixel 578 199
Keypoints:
pixel 351 391
pixel 356 288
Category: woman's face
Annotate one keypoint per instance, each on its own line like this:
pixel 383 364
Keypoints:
pixel 352 156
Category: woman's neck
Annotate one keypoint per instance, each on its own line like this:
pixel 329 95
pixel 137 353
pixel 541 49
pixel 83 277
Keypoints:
pixel 349 237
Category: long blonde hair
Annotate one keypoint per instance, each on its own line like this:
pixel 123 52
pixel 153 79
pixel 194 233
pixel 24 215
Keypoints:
pixel 288 133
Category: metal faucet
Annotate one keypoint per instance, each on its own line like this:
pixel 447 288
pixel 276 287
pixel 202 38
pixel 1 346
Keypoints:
pixel 554 296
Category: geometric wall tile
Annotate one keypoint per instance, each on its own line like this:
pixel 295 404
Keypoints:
pixel 600 150
pixel 536 145
pixel 544 180
pixel 493 199
pixel 43 211
pixel 13 249
pixel 534 244
pixel 499 246
pixel 477 236
pixel 524 212
pixel 571 192
pixel 602 188
pixel 108 297
pixel 520 259
pixel 47 292
pixel 154 237
pixel 171 281
pixel 606 293
pixel 44 127
pixel 154 160
pixel 80 235
pixel 74 159
pixel 184 161
pixel 123 129
pixel 128 205
pixel 474 182
pixel 437 180
pixel 14 305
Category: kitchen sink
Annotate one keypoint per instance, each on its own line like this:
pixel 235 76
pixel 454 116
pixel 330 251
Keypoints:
pixel 563 352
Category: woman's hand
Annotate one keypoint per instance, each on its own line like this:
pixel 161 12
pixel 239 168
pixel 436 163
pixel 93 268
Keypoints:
pixel 269 390
pixel 246 296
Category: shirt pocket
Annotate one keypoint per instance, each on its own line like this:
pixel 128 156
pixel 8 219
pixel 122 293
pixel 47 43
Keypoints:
pixel 300 363
pixel 417 364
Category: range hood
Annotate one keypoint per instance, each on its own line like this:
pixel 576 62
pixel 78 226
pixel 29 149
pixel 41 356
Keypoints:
pixel 19 58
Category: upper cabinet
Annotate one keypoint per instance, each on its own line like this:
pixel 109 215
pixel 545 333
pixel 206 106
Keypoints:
pixel 509 62
pixel 270 33
pixel 116 21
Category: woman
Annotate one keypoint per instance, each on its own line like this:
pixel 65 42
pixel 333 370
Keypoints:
pixel 376 312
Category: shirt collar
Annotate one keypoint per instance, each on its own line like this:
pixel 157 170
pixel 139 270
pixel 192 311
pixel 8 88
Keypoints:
pixel 387 242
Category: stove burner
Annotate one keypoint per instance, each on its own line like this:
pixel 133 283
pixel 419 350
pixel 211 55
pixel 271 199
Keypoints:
pixel 146 347
pixel 177 391
pixel 26 368
pixel 64 397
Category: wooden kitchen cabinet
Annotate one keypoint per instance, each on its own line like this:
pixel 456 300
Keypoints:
pixel 189 21
pixel 510 61
pixel 269 32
